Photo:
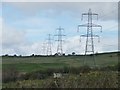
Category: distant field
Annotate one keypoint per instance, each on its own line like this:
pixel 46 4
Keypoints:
pixel 29 64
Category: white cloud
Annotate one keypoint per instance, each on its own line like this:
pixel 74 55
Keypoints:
pixel 105 45
pixel 14 41
pixel 71 44
pixel 11 37
pixel 109 44
pixel 33 48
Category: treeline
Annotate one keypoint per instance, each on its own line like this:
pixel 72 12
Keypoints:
pixel 72 54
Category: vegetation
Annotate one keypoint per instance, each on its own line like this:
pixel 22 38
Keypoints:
pixel 91 79
pixel 37 71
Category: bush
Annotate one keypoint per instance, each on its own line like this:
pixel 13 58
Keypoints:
pixel 85 69
pixel 9 75
pixel 42 74
pixel 111 68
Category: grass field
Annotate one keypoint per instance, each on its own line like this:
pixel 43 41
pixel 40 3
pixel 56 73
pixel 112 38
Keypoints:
pixel 37 72
pixel 29 64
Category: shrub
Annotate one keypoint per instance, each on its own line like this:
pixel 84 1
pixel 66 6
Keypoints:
pixel 73 53
pixel 85 69
pixel 9 75
pixel 110 68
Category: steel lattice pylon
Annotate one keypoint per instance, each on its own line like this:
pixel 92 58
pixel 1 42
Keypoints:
pixel 49 45
pixel 89 48
pixel 60 41
pixel 44 48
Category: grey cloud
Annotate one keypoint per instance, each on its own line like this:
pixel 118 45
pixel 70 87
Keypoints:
pixel 106 10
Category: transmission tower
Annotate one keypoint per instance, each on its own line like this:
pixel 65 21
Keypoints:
pixel 89 48
pixel 49 45
pixel 60 40
pixel 43 48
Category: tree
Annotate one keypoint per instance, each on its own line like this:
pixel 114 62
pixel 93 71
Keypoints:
pixel 32 55
pixel 73 53
pixel 63 54
pixel 15 55
pixel 6 55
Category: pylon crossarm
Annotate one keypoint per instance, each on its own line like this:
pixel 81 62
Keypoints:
pixel 86 25
pixel 59 35
pixel 97 36
pixel 59 40
pixel 95 14
pixel 83 25
pixel 60 28
pixel 83 15
pixel 88 35
pixel 94 25
pixel 82 36
pixel 89 14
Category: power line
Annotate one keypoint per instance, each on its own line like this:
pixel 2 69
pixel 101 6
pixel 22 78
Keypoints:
pixel 89 48
pixel 111 27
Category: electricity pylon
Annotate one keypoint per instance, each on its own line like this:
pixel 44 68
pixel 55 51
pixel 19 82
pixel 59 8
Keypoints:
pixel 89 48
pixel 60 40
pixel 44 48
pixel 49 45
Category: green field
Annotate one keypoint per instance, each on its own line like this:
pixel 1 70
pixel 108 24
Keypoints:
pixel 29 64
pixel 37 71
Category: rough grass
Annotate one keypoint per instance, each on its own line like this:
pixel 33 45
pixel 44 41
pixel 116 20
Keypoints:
pixel 93 79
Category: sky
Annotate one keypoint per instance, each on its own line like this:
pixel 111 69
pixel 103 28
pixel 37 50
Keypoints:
pixel 25 26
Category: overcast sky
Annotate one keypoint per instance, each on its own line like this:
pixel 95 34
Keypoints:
pixel 25 26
